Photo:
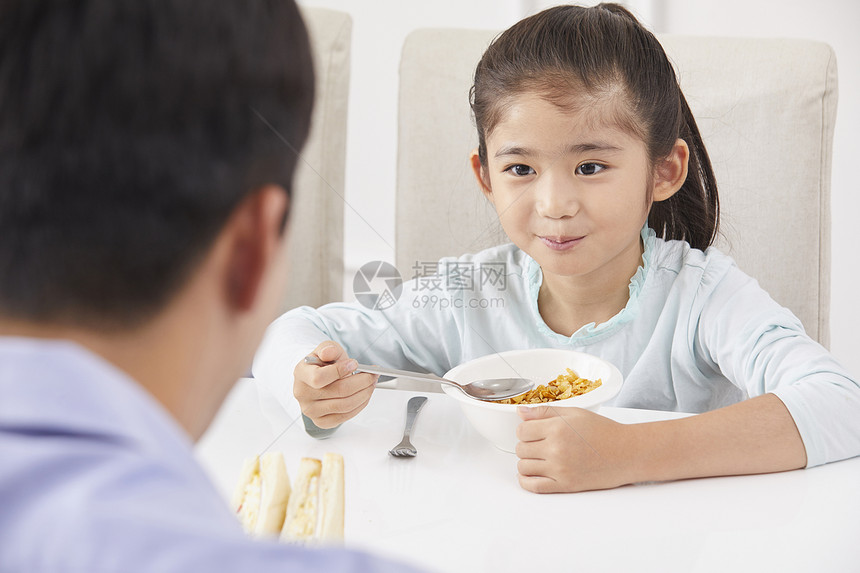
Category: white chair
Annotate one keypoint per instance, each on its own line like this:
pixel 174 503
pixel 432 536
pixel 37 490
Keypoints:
pixel 316 240
pixel 766 110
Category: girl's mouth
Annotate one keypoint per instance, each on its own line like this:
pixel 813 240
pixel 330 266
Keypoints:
pixel 561 243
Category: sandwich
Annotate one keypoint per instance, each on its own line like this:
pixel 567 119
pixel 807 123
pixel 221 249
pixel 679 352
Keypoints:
pixel 316 507
pixel 331 499
pixel 312 511
pixel 261 496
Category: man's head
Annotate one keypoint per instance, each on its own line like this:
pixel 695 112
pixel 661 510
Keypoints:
pixel 129 134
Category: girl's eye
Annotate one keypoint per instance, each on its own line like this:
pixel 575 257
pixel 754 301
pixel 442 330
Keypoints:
pixel 590 169
pixel 520 170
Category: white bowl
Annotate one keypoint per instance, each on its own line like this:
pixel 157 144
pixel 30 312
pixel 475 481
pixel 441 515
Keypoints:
pixel 498 422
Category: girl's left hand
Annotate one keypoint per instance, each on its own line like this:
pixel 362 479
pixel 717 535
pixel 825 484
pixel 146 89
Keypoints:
pixel 571 449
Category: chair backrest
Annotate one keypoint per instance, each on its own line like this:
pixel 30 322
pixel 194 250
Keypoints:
pixel 316 221
pixel 766 110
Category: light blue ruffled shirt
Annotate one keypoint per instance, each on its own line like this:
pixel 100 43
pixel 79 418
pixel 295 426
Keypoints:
pixel 696 334
pixel 96 477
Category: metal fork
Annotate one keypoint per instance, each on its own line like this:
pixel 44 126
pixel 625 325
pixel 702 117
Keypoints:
pixel 405 449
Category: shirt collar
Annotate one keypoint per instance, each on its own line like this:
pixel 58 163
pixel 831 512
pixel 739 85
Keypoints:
pixel 591 332
pixel 58 386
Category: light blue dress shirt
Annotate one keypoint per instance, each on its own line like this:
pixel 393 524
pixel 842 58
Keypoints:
pixel 96 477
pixel 696 334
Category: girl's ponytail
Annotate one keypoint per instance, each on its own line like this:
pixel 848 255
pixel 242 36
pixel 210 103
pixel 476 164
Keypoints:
pixel 693 213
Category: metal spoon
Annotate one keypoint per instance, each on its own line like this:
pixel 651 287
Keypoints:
pixel 490 390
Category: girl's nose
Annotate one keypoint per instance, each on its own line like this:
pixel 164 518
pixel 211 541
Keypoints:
pixel 555 196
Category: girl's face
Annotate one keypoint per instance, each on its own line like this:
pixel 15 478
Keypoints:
pixel 571 191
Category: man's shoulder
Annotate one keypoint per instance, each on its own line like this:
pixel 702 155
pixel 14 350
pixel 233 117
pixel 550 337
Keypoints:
pixel 65 393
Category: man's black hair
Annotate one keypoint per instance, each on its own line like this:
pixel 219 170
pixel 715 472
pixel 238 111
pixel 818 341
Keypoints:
pixel 129 131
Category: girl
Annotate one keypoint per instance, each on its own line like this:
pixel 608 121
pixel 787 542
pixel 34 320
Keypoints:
pixel 593 161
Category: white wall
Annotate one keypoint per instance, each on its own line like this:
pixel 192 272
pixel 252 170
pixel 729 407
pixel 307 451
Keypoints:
pixel 379 29
pixel 380 26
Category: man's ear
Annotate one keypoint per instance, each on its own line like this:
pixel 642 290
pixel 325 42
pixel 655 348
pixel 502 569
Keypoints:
pixel 481 174
pixel 254 234
pixel 671 172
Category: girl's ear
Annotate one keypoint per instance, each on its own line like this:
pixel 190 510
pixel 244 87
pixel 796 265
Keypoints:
pixel 481 175
pixel 671 172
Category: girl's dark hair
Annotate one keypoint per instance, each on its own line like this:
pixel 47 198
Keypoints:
pixel 593 53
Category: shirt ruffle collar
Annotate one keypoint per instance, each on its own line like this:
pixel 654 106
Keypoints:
pixel 592 332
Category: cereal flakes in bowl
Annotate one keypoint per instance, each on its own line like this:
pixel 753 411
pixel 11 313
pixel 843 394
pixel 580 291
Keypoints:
pixel 570 379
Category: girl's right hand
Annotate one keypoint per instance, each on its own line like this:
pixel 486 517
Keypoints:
pixel 330 395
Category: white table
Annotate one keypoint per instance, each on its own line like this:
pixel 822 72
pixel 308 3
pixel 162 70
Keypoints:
pixel 457 505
